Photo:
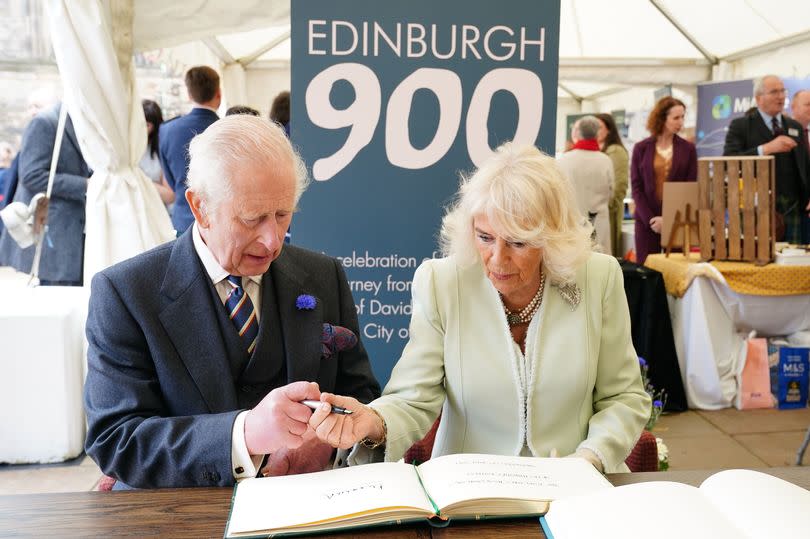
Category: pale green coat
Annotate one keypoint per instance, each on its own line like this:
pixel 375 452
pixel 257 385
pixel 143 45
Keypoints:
pixel 586 390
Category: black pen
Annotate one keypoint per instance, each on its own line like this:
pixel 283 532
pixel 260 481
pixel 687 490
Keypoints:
pixel 335 409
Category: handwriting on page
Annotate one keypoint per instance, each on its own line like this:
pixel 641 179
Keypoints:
pixel 509 473
pixel 492 478
pixel 347 492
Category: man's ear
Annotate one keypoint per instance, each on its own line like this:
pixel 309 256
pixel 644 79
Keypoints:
pixel 198 208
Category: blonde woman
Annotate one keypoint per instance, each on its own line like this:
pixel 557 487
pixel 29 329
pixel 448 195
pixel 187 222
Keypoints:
pixel 520 336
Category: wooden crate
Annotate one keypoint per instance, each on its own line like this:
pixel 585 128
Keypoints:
pixel 736 212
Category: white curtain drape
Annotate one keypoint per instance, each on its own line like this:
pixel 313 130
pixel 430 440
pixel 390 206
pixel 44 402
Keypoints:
pixel 92 42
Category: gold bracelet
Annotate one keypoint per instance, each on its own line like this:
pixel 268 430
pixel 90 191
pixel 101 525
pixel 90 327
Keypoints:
pixel 371 444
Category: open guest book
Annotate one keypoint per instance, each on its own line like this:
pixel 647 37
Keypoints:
pixel 729 504
pixel 445 488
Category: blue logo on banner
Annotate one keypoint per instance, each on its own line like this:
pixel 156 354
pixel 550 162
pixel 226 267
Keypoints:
pixel 717 104
pixel 390 101
pixel 721 107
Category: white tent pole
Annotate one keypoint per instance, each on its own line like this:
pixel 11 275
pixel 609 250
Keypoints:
pixel 43 231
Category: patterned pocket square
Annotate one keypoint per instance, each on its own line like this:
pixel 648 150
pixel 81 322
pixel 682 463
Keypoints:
pixel 335 339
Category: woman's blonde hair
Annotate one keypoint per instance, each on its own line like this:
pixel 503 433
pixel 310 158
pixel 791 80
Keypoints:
pixel 526 198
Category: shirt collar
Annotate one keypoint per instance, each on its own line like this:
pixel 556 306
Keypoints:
pixel 767 118
pixel 198 106
pixel 215 272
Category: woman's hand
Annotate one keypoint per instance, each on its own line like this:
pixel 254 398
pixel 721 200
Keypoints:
pixel 656 223
pixel 343 431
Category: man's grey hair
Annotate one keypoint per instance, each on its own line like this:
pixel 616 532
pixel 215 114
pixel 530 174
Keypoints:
pixel 759 84
pixel 218 153
pixel 588 127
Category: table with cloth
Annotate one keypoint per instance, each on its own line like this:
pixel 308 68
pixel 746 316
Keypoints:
pixel 713 306
pixel 42 370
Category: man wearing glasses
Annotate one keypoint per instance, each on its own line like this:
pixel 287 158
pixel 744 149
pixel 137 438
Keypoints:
pixel 766 131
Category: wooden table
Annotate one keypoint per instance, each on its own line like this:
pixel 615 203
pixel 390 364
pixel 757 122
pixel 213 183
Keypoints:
pixel 202 512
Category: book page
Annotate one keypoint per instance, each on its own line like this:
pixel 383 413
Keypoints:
pixel 659 509
pixel 281 502
pixel 768 506
pixel 454 478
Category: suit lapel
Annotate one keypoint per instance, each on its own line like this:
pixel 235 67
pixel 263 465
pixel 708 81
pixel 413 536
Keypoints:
pixel 190 321
pixel 70 134
pixel 763 132
pixel 301 328
pixel 649 164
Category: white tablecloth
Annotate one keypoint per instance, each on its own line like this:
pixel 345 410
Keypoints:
pixel 710 324
pixel 42 369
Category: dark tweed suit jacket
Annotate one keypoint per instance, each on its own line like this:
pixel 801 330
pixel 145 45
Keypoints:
pixel 166 371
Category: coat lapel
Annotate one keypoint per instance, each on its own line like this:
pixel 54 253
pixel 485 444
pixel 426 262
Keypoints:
pixel 763 132
pixel 301 328
pixel 191 323
pixel 70 135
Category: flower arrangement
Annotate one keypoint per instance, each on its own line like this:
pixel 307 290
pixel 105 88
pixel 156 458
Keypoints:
pixel 305 302
pixel 663 455
pixel 659 400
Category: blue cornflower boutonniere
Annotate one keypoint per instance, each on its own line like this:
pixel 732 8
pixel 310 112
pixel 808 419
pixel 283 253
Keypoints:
pixel 305 302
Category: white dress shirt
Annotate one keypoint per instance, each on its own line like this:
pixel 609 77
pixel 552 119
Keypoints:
pixel 768 119
pixel 244 464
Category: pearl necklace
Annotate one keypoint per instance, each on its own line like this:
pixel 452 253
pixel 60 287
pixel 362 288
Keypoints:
pixel 525 315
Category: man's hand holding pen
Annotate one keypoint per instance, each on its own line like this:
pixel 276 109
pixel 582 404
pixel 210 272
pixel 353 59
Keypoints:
pixel 280 420
pixel 345 430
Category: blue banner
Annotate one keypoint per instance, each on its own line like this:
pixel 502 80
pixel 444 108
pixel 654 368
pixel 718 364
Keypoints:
pixel 717 104
pixel 390 101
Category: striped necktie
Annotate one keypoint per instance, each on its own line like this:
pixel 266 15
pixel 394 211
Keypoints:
pixel 242 313
pixel 775 127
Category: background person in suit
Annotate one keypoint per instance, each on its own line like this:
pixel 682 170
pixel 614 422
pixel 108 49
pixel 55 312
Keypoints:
pixel 800 109
pixel 766 131
pixel 520 335
pixel 62 256
pixel 175 395
pixel 661 157
pixel 202 83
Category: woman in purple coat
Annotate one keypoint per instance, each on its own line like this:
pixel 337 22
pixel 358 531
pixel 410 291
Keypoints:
pixel 663 156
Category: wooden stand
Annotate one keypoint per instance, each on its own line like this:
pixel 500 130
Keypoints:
pixel 685 226
pixel 736 208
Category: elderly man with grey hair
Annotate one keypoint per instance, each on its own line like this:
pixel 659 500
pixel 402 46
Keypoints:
pixel 591 175
pixel 201 349
pixel 766 131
